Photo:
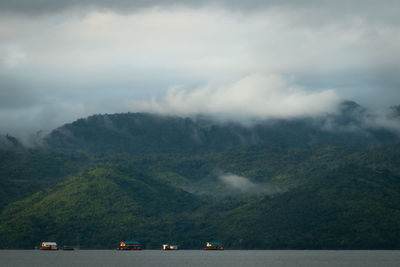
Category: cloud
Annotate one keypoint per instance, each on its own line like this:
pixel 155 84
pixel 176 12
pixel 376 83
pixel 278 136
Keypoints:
pixel 61 60
pixel 260 96
pixel 314 9
pixel 12 56
pixel 382 119
pixel 237 184
pixel 240 183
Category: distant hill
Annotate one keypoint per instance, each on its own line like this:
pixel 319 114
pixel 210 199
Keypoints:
pixel 142 133
pixel 305 183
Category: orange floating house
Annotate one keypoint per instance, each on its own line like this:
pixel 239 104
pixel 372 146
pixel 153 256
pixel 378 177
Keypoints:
pixel 48 246
pixel 128 245
pixel 214 246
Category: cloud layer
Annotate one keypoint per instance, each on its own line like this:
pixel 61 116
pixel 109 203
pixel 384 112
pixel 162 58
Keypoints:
pixel 254 96
pixel 61 60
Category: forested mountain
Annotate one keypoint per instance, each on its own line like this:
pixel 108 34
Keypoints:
pixel 327 182
pixel 142 133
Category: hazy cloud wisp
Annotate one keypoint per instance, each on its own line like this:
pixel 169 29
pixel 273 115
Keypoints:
pixel 238 184
pixel 254 96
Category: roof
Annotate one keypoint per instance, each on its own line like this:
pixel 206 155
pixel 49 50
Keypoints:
pixel 49 243
pixel 131 242
pixel 215 243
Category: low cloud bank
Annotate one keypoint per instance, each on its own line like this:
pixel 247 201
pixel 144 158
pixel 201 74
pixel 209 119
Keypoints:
pixel 388 119
pixel 353 117
pixel 256 95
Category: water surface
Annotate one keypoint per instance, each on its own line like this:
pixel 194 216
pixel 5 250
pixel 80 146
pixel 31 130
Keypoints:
pixel 193 258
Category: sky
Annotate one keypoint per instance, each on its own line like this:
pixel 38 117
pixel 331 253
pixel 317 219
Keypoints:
pixel 64 60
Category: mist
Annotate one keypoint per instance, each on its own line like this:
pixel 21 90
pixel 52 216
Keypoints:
pixel 222 183
pixel 238 183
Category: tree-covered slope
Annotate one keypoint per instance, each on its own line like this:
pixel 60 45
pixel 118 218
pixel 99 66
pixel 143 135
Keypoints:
pixel 99 207
pixel 23 173
pixel 143 133
pixel 156 179
pixel 261 165
pixel 350 207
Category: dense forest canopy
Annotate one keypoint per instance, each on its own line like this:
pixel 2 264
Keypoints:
pixel 326 182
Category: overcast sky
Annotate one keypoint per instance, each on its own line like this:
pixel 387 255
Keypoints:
pixel 62 60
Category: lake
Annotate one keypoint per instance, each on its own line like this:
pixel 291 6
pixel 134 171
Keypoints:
pixel 193 258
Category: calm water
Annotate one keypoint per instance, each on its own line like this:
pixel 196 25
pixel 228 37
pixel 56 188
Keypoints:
pixel 194 258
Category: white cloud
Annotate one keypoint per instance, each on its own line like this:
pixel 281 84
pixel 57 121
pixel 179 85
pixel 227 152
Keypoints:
pixel 255 95
pixel 234 184
pixel 227 60
pixel 12 56
pixel 237 182
pixel 383 119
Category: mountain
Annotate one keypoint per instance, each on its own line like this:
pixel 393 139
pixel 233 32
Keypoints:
pixel 307 183
pixel 143 133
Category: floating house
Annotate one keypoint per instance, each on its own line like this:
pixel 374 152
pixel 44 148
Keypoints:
pixel 214 246
pixel 48 246
pixel 128 245
pixel 169 247
pixel 65 247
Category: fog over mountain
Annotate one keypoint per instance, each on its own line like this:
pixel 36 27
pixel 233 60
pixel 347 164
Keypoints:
pixel 64 60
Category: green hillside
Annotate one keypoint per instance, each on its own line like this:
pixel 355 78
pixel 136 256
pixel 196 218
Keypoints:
pixel 351 207
pixel 24 173
pixel 100 207
pixel 168 179
pixel 143 133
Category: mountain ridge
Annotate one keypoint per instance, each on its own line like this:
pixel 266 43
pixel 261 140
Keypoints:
pixel 281 184
pixel 142 133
